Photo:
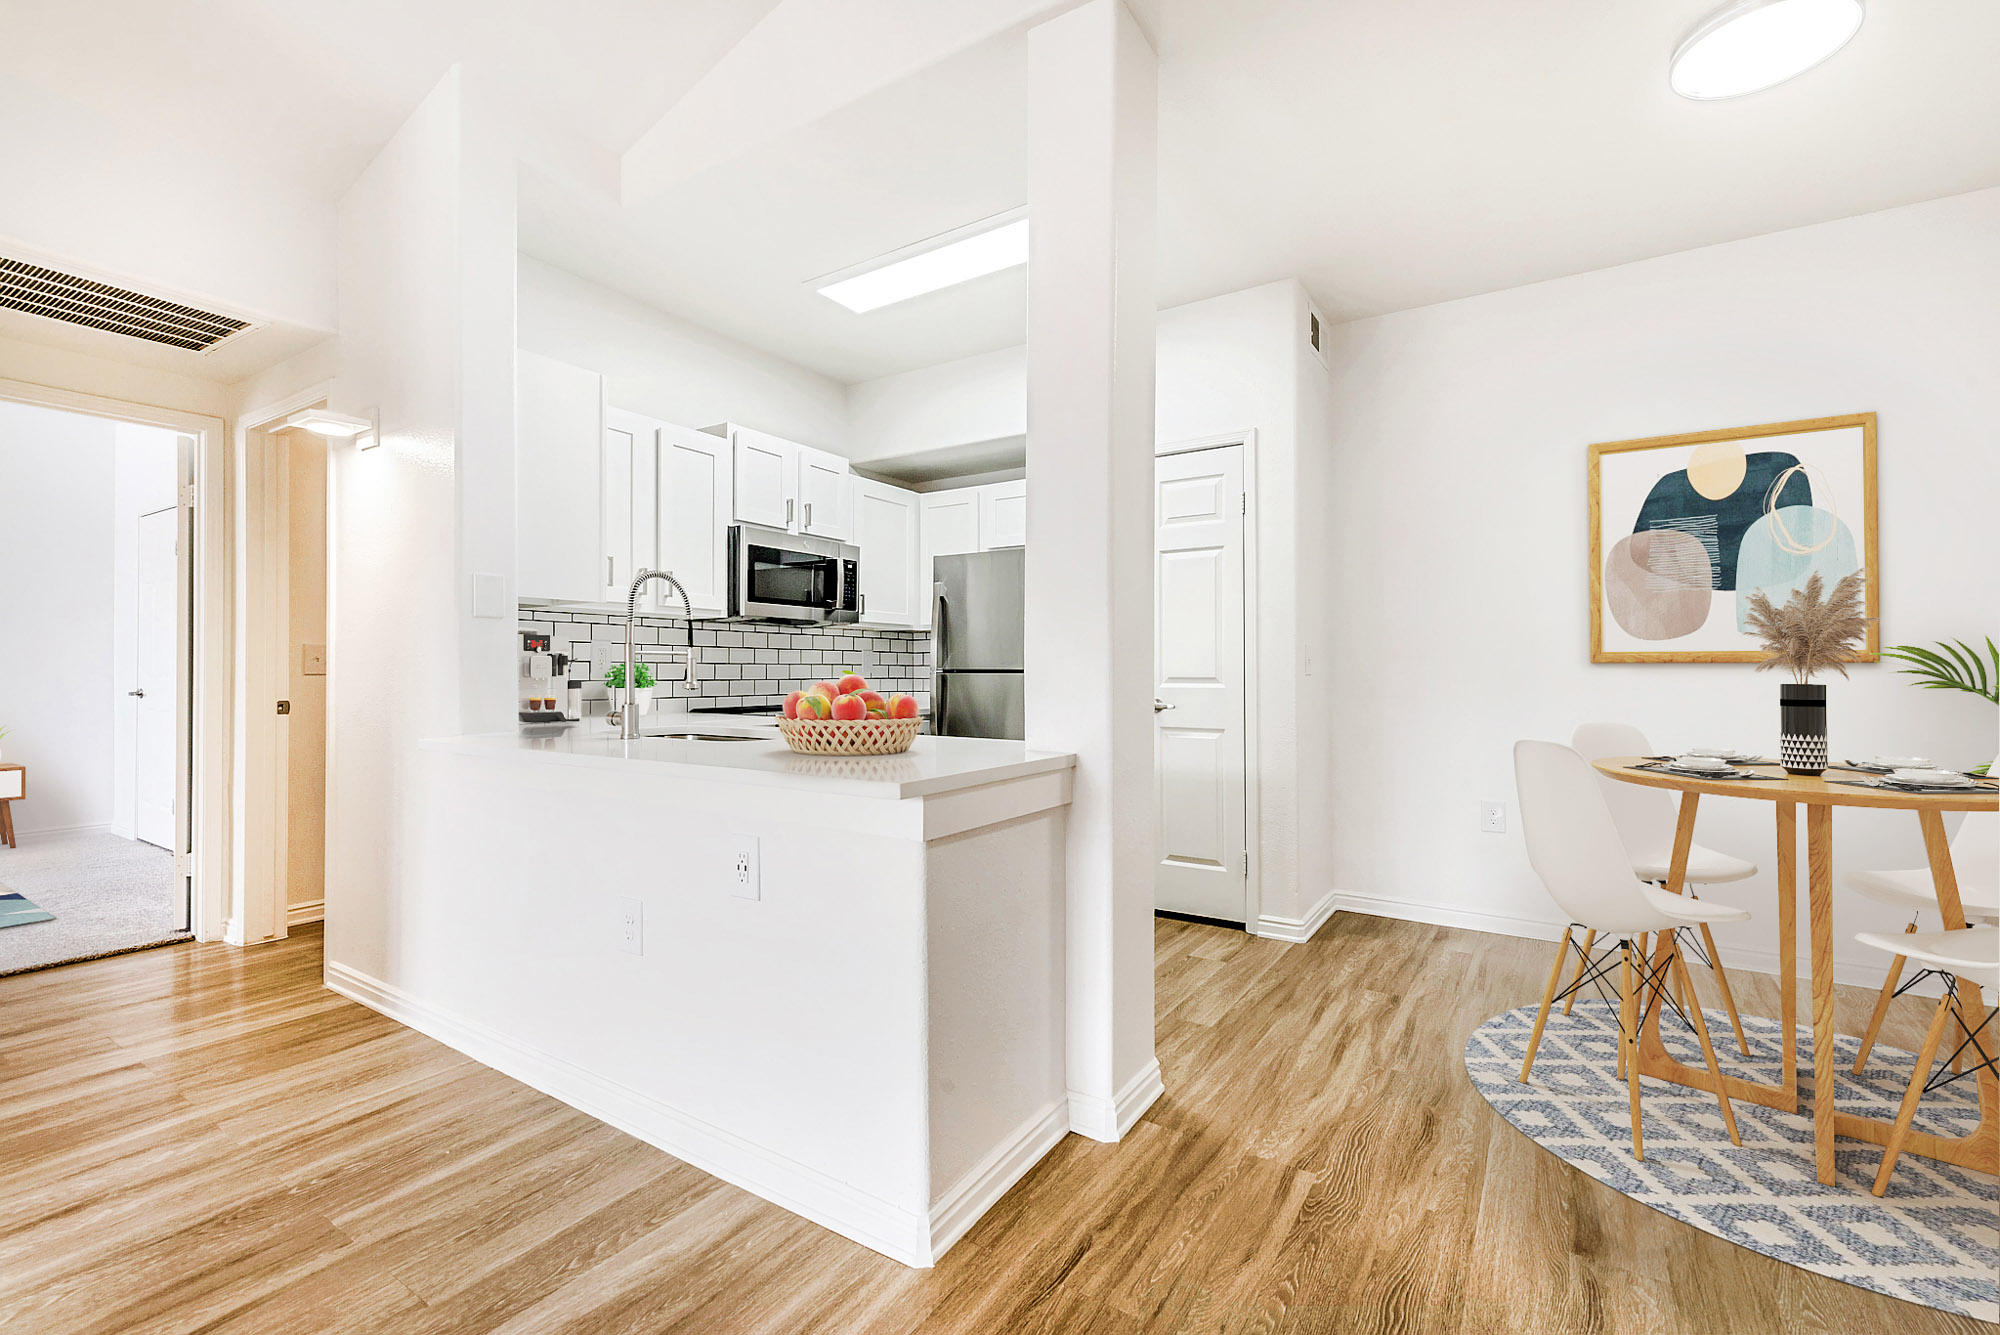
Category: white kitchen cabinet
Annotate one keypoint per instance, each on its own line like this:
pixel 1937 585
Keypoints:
pixel 1003 515
pixel 950 526
pixel 824 495
pixel 886 529
pixel 559 552
pixel 628 509
pixel 695 507
pixel 766 475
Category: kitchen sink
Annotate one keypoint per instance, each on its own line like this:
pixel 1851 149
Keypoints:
pixel 700 737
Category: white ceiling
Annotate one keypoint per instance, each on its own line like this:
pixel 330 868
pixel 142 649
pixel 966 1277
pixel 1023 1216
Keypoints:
pixel 1387 154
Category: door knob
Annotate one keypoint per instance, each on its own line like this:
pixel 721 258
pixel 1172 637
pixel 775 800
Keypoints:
pixel 138 693
pixel 1160 705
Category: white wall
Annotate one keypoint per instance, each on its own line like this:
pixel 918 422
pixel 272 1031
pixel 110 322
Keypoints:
pixel 145 464
pixel 666 367
pixel 954 403
pixel 1460 607
pixel 56 474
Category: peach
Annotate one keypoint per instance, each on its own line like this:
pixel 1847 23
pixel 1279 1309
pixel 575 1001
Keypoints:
pixel 876 704
pixel 813 705
pixel 852 683
pixel 850 708
pixel 827 689
pixel 792 704
pixel 903 706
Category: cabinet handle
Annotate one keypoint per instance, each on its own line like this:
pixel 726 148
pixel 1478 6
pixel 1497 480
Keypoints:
pixel 809 516
pixel 611 570
pixel 788 512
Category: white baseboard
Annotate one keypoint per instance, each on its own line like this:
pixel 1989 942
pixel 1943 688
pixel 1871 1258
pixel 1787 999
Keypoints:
pixel 979 1190
pixel 901 1234
pixel 1444 915
pixel 57 831
pixel 305 911
pixel 1299 929
pixel 1108 1120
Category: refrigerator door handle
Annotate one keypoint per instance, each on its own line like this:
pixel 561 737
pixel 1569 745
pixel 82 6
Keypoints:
pixel 937 658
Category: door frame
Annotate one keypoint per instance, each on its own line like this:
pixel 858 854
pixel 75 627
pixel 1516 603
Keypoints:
pixel 204 771
pixel 260 798
pixel 1253 821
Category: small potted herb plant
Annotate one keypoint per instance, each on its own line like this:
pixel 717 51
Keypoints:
pixel 1812 632
pixel 614 680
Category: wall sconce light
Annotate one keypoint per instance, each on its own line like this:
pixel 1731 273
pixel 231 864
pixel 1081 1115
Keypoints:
pixel 324 422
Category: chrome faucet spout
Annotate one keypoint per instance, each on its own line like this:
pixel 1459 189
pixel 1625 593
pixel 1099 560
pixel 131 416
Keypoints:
pixel 628 717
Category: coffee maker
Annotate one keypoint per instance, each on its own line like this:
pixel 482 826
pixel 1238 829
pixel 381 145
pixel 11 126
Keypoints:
pixel 543 692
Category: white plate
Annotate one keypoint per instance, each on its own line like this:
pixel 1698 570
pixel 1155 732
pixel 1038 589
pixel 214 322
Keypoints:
pixel 1719 753
pixel 1931 778
pixel 1699 764
pixel 1901 762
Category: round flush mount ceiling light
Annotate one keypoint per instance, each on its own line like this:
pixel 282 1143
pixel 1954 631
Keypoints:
pixel 1754 44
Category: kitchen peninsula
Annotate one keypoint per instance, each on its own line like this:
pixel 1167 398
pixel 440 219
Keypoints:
pixel 836 982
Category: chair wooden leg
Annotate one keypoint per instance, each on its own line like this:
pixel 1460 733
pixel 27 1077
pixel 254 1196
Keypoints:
pixel 1707 1048
pixel 1589 939
pixel 1908 1112
pixel 1881 1007
pixel 1628 1041
pixel 1548 1000
pixel 1628 950
pixel 1722 984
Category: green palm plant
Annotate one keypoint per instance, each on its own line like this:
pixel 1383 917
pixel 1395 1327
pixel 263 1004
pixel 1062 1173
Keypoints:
pixel 1960 667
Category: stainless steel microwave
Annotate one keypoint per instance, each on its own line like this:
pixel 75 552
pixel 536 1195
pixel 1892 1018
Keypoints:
pixel 780 576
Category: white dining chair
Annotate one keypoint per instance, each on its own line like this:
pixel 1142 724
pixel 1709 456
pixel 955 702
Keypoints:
pixel 1574 846
pixel 1646 818
pixel 1975 861
pixel 1971 953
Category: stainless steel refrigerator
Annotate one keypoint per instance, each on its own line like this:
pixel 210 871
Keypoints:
pixel 977 612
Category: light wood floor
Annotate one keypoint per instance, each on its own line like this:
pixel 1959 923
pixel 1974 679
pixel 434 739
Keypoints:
pixel 201 1139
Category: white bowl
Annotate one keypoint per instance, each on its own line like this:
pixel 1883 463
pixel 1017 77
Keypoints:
pixel 1931 777
pixel 1901 762
pixel 1697 761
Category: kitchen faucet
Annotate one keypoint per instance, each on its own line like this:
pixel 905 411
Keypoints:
pixel 627 718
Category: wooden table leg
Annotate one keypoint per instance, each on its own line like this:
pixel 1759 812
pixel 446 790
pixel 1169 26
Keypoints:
pixel 1819 883
pixel 1788 947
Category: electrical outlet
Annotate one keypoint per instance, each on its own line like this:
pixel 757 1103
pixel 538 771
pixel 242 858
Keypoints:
pixel 631 926
pixel 1493 817
pixel 745 878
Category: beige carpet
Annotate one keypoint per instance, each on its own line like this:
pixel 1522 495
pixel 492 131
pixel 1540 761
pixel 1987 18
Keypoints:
pixel 108 894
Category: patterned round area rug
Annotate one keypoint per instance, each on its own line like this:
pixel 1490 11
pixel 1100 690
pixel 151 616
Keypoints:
pixel 1934 1239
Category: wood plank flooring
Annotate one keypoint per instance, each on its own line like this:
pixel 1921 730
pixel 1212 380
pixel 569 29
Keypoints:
pixel 201 1139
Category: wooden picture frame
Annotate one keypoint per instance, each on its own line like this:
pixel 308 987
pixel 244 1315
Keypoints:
pixel 1704 496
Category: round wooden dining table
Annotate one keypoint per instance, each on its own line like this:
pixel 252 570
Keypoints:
pixel 1819 796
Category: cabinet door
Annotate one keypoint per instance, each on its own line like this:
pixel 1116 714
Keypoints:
pixel 885 529
pixel 823 493
pixel 694 509
pixel 629 480
pixel 766 479
pixel 949 523
pixel 559 556
pixel 1003 515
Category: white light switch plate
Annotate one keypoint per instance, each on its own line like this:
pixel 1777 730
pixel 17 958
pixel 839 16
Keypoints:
pixel 1493 817
pixel 744 875
pixel 312 660
pixel 489 596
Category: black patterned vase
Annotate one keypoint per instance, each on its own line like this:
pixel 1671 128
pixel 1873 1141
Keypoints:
pixel 1802 728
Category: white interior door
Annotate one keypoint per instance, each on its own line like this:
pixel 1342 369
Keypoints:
pixel 154 751
pixel 1199 687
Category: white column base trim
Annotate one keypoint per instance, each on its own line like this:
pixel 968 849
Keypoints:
pixel 900 1234
pixel 1108 1120
pixel 1299 929
pixel 1444 915
pixel 979 1190
pixel 310 910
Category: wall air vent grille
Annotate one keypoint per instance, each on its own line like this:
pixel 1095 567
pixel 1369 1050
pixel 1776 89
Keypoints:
pixel 65 296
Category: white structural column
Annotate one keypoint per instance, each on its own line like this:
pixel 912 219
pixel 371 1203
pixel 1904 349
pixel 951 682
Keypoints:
pixel 1092 116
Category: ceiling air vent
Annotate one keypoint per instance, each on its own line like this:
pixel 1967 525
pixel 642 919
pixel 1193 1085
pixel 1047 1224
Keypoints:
pixel 66 296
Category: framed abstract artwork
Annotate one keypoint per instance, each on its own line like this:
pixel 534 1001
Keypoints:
pixel 1684 530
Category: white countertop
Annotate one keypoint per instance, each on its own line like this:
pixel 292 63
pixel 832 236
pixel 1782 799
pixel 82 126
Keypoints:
pixel 932 764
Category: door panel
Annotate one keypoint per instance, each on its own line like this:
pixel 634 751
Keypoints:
pixel 823 500
pixel 615 522
pixel 1200 678
pixel 885 529
pixel 950 523
pixel 154 750
pixel 1003 515
pixel 694 517
pixel 765 471
pixel 560 553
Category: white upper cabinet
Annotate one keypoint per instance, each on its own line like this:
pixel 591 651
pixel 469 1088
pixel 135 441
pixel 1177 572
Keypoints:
pixel 766 477
pixel 823 493
pixel 627 507
pixel 559 556
pixel 1003 515
pixel 694 510
pixel 950 526
pixel 886 526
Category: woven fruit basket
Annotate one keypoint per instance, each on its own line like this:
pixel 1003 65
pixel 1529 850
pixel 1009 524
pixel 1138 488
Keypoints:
pixel 849 737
